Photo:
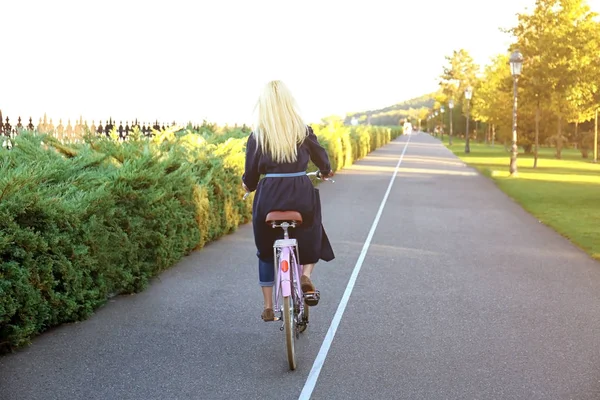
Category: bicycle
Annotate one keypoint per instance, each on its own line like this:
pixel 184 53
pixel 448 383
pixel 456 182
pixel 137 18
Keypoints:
pixel 290 305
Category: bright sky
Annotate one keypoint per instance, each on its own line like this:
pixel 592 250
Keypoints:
pixel 188 60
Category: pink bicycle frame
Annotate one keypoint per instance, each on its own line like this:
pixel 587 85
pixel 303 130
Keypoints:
pixel 287 262
pixel 284 272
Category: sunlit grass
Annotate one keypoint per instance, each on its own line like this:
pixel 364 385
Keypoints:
pixel 551 176
pixel 563 194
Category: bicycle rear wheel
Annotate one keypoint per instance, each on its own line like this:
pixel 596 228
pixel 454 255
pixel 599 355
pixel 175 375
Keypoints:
pixel 304 322
pixel 302 317
pixel 289 327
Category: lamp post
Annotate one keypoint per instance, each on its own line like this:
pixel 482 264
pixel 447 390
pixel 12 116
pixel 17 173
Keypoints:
pixel 431 123
pixel 442 122
pixel 468 95
pixel 451 106
pixel 435 123
pixel 516 65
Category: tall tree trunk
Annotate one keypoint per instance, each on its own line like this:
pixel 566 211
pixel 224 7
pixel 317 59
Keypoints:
pixel 493 134
pixel 537 134
pixel 577 136
pixel 559 141
pixel 596 136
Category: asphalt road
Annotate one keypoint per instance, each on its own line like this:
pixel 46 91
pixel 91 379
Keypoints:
pixel 461 295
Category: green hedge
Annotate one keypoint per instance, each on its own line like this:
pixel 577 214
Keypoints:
pixel 348 144
pixel 81 223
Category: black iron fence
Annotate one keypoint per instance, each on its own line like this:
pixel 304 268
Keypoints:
pixel 74 133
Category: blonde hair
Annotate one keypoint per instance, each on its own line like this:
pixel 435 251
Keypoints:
pixel 279 127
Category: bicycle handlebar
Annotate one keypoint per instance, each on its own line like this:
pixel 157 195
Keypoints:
pixel 316 174
pixel 319 176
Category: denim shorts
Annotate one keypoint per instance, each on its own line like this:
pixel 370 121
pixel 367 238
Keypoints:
pixel 266 272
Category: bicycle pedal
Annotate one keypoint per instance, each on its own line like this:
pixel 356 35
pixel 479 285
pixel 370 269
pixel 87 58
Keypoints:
pixel 313 296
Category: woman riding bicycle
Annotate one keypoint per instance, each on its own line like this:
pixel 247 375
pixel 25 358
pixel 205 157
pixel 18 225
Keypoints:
pixel 282 144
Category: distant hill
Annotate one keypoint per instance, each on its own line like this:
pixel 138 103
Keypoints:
pixel 393 115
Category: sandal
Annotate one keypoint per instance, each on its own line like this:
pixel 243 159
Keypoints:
pixel 268 315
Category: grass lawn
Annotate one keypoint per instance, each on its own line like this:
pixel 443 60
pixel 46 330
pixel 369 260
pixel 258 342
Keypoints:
pixel 563 194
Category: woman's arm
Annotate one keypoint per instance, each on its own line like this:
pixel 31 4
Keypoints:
pixel 251 174
pixel 318 154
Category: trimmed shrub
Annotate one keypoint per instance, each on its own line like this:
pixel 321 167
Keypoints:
pixel 83 222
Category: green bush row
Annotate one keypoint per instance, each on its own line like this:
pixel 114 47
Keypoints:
pixel 81 223
pixel 347 144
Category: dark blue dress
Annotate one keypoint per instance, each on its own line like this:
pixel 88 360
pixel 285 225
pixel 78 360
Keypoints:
pixel 288 194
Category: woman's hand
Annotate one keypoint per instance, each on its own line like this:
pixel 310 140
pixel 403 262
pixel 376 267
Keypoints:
pixel 245 187
pixel 323 176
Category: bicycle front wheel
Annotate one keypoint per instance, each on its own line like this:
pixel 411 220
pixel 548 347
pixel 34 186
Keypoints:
pixel 289 327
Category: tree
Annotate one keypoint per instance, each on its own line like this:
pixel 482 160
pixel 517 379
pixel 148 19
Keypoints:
pixel 493 101
pixel 584 39
pixel 460 72
pixel 332 120
pixel 559 40
pixel 534 34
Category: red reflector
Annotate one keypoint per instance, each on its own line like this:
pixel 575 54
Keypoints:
pixel 284 266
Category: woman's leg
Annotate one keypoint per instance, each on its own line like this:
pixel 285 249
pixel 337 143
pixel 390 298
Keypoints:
pixel 266 275
pixel 268 296
pixel 305 282
pixel 307 269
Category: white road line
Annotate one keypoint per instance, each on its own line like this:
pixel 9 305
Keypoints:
pixel 311 381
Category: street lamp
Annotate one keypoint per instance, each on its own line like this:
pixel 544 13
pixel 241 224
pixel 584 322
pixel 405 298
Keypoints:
pixel 451 106
pixel 516 65
pixel 468 95
pixel 442 122
pixel 431 122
